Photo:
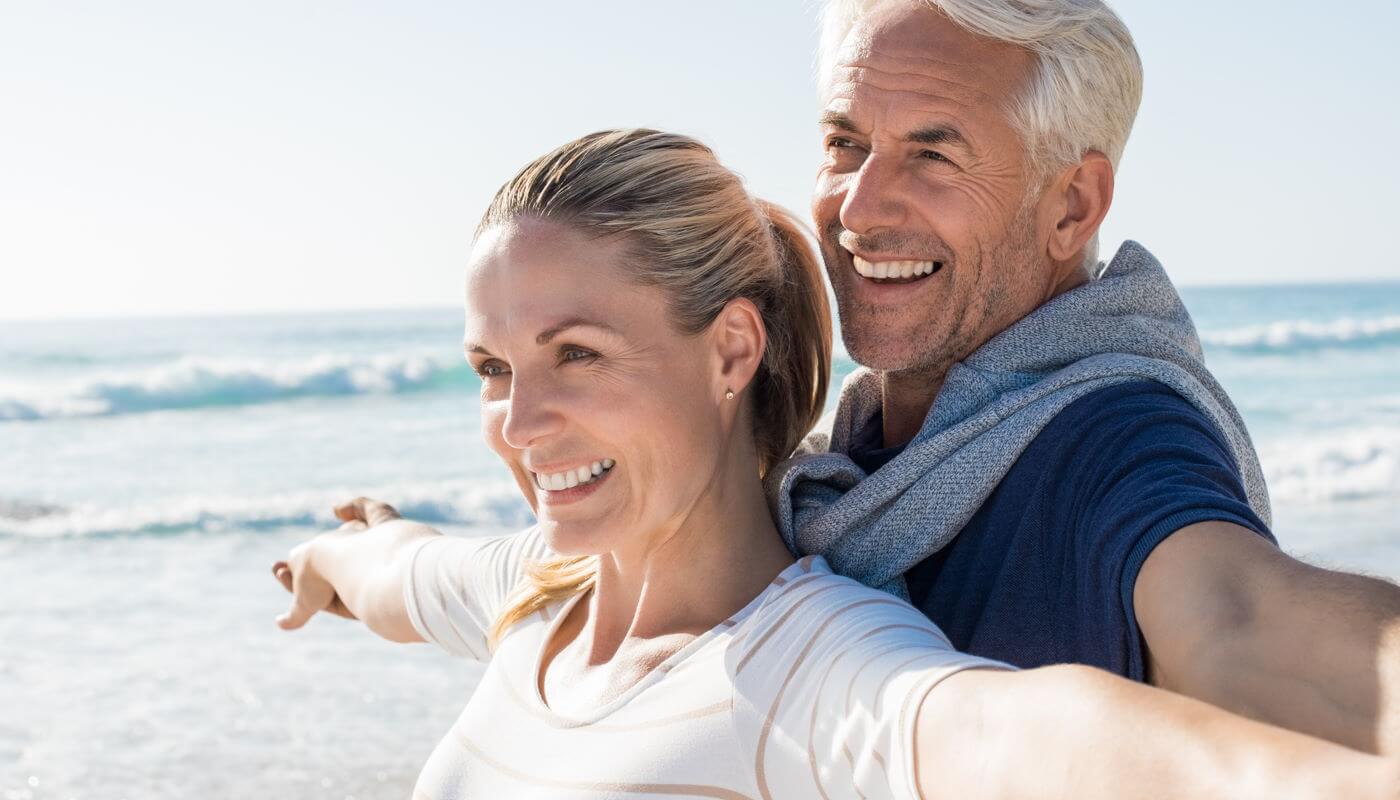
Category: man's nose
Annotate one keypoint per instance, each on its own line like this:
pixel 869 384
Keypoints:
pixel 533 413
pixel 873 199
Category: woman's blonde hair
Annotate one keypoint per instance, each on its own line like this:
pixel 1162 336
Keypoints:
pixel 692 231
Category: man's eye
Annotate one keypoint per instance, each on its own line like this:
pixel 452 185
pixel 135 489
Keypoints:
pixel 934 155
pixel 839 142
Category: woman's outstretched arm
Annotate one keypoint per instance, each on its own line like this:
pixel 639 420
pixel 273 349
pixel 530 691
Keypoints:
pixel 1076 732
pixel 356 571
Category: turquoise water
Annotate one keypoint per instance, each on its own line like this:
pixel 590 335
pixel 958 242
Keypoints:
pixel 151 470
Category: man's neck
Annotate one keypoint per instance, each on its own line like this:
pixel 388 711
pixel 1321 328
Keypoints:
pixel 906 397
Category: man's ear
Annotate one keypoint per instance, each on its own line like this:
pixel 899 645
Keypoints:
pixel 1081 196
pixel 739 340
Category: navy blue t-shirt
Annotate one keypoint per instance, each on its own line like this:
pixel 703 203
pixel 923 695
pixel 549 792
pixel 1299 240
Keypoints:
pixel 1044 572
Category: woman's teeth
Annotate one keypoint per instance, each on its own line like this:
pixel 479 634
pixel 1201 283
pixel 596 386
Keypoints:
pixel 568 479
pixel 893 269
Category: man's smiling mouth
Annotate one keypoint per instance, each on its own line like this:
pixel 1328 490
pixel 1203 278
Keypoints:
pixel 895 271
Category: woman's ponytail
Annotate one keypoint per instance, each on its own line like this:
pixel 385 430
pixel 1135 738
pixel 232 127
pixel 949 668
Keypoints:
pixel 791 391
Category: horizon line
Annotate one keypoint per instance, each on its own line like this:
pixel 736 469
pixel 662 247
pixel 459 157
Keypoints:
pixel 336 310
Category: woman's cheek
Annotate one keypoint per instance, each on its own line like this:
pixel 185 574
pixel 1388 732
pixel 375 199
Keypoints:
pixel 492 427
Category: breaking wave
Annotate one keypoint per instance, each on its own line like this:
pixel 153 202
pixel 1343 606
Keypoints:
pixel 1336 466
pixel 1287 336
pixel 193 382
pixel 493 507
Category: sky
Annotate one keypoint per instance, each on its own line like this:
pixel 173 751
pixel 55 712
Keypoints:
pixel 177 158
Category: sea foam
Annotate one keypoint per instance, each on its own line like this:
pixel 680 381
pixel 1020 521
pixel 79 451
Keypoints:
pixel 195 382
pixel 1334 466
pixel 486 508
pixel 1286 336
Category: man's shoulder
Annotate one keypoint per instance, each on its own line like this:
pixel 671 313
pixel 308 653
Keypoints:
pixel 1129 398
pixel 1125 416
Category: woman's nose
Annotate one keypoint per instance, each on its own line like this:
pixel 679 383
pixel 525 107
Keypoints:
pixel 533 413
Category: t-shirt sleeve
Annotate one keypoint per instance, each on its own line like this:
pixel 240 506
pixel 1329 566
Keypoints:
pixel 832 691
pixel 454 587
pixel 1147 464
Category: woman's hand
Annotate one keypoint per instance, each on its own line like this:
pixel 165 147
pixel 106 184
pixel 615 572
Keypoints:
pixel 302 574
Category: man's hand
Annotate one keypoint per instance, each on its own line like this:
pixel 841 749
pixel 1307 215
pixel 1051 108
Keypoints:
pixel 1230 619
pixel 301 573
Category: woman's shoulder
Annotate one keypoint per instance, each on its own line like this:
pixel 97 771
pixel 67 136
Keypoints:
pixel 808 601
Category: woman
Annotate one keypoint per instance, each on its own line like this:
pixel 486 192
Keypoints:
pixel 651 340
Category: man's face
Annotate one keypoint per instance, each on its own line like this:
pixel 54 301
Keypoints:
pixel 920 202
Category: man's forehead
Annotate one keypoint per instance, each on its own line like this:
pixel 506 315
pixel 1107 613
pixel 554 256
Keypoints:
pixel 906 46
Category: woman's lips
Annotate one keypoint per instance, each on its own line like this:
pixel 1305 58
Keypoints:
pixel 574 493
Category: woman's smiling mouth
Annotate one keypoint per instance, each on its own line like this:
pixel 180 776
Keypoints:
pixel 572 483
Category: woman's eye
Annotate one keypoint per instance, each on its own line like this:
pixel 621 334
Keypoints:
pixel 576 354
pixel 491 369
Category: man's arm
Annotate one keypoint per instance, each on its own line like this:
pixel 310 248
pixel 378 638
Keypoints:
pixel 1230 619
pixel 1070 731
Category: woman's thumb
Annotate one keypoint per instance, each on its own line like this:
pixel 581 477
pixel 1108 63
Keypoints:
pixel 297 615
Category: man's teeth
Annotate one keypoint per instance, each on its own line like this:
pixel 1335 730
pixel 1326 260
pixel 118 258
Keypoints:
pixel 893 269
pixel 568 479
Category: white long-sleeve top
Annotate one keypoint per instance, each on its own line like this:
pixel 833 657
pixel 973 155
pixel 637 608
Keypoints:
pixel 810 691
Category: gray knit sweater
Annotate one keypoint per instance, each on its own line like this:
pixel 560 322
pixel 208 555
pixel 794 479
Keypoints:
pixel 1127 324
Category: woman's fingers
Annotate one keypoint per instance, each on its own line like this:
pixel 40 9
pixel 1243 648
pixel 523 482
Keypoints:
pixel 310 591
pixel 349 512
pixel 308 597
pixel 283 574
pixel 371 512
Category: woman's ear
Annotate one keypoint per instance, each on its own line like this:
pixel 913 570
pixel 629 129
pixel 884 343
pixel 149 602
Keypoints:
pixel 739 340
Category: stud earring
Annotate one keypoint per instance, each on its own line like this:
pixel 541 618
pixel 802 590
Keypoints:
pixel 728 394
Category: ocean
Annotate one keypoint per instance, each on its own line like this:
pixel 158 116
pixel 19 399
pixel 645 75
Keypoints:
pixel 152 470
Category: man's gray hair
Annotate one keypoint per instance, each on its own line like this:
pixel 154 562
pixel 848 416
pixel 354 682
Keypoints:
pixel 1084 93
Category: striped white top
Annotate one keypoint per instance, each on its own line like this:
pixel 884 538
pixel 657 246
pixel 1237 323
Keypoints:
pixel 810 691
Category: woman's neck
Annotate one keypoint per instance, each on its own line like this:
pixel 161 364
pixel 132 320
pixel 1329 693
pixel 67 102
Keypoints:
pixel 692 576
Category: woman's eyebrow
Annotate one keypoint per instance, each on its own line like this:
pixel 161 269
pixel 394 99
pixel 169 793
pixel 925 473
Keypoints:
pixel 549 333
pixel 552 331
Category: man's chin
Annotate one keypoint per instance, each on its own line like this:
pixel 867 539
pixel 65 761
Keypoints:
pixel 881 357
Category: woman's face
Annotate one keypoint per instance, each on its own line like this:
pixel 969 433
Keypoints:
pixel 608 417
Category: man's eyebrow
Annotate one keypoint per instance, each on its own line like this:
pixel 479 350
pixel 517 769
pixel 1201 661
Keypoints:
pixel 934 135
pixel 839 121
pixel 938 134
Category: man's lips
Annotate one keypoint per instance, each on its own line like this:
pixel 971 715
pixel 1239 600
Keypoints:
pixel 894 269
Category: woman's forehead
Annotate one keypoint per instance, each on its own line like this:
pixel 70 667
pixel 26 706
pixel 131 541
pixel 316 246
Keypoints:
pixel 537 259
pixel 529 280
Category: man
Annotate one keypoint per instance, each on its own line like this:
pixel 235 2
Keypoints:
pixel 1053 506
